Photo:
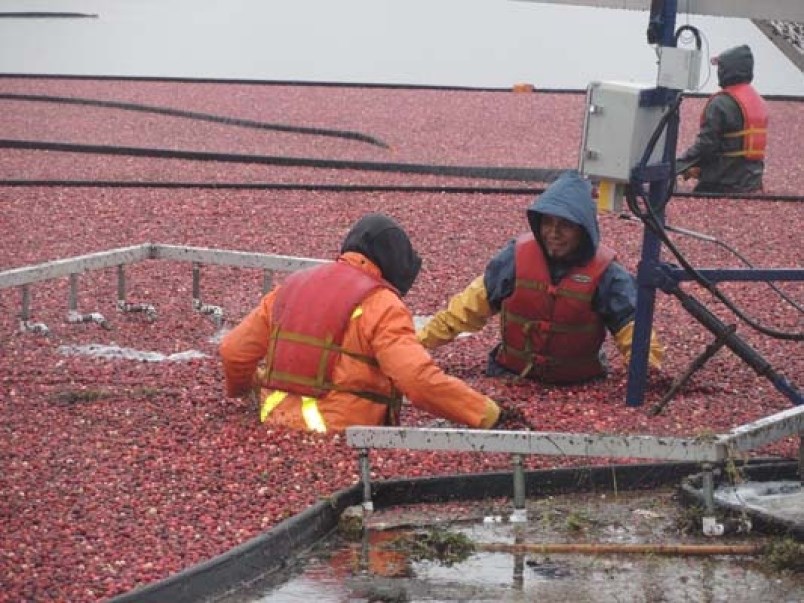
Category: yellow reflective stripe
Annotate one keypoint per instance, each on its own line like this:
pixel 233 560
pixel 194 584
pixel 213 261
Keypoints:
pixel 358 311
pixel 271 401
pixel 744 152
pixel 313 418
pixel 744 132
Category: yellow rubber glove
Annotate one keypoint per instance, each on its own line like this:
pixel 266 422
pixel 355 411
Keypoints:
pixel 492 415
pixel 467 312
pixel 624 337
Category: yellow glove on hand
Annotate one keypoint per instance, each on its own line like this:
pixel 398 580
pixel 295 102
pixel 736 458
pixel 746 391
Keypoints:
pixel 468 311
pixel 492 415
pixel 624 338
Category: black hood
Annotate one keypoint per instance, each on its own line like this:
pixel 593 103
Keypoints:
pixel 735 66
pixel 385 243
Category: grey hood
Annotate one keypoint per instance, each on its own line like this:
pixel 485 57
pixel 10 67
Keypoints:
pixel 569 197
pixel 735 66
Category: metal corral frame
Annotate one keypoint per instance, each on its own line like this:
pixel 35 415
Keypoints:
pixel 706 450
pixel 73 267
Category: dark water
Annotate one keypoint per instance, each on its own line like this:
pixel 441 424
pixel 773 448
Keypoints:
pixel 371 570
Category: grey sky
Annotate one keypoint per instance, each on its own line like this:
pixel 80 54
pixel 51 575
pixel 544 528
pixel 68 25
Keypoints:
pixel 485 43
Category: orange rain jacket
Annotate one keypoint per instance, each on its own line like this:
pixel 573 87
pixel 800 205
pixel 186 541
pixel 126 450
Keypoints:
pixel 384 329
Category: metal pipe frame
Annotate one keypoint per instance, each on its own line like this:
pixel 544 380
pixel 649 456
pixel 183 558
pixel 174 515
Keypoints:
pixel 717 275
pixel 539 443
pixel 75 265
pixel 709 449
pixel 26 275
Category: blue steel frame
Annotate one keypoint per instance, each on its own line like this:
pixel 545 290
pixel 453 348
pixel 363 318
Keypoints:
pixel 651 273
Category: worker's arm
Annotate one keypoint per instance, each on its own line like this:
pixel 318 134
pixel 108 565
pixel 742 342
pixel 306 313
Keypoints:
pixel 389 328
pixel 615 301
pixel 708 142
pixel 624 339
pixel 467 312
pixel 244 347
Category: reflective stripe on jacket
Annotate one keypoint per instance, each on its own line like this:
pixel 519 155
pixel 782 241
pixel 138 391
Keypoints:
pixel 309 410
pixel 552 332
pixel 305 342
pixel 381 327
pixel 751 141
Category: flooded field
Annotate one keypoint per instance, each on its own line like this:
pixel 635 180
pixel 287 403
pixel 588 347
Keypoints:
pixel 477 554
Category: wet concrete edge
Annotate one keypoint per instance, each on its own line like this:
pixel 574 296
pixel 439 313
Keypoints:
pixel 692 493
pixel 274 549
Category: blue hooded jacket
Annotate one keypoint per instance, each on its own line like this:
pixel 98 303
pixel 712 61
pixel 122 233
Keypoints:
pixel 568 197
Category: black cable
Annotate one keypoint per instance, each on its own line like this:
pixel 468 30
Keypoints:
pixel 695 32
pixel 330 84
pixel 282 186
pixel 730 249
pixel 651 221
pixel 483 172
pixel 229 121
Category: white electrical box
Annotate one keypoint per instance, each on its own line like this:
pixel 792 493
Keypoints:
pixel 679 68
pixel 616 131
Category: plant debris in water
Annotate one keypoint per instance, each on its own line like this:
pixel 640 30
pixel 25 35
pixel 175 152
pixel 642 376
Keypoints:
pixel 438 545
pixel 785 554
pixel 350 524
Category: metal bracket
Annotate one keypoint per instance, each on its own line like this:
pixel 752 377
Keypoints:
pixel 711 350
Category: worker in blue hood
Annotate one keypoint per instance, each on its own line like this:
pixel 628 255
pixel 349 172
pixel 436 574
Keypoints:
pixel 728 154
pixel 557 290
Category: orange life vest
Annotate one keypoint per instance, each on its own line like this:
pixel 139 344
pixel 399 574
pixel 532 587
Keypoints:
pixel 754 134
pixel 551 332
pixel 305 342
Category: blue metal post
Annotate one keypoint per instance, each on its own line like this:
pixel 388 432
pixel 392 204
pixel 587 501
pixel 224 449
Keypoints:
pixel 664 25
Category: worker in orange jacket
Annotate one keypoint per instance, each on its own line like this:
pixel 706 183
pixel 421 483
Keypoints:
pixel 335 345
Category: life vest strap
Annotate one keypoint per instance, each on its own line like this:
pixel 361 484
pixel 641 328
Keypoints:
pixel 552 289
pixel 392 400
pixel 547 326
pixel 325 344
pixel 746 132
pixel 543 360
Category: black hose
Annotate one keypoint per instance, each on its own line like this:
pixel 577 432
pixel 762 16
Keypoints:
pixel 730 249
pixel 229 121
pixel 652 222
pixel 655 223
pixel 281 186
pixel 483 172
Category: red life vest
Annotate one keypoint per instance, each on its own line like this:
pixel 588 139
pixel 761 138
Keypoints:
pixel 551 332
pixel 305 342
pixel 754 134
